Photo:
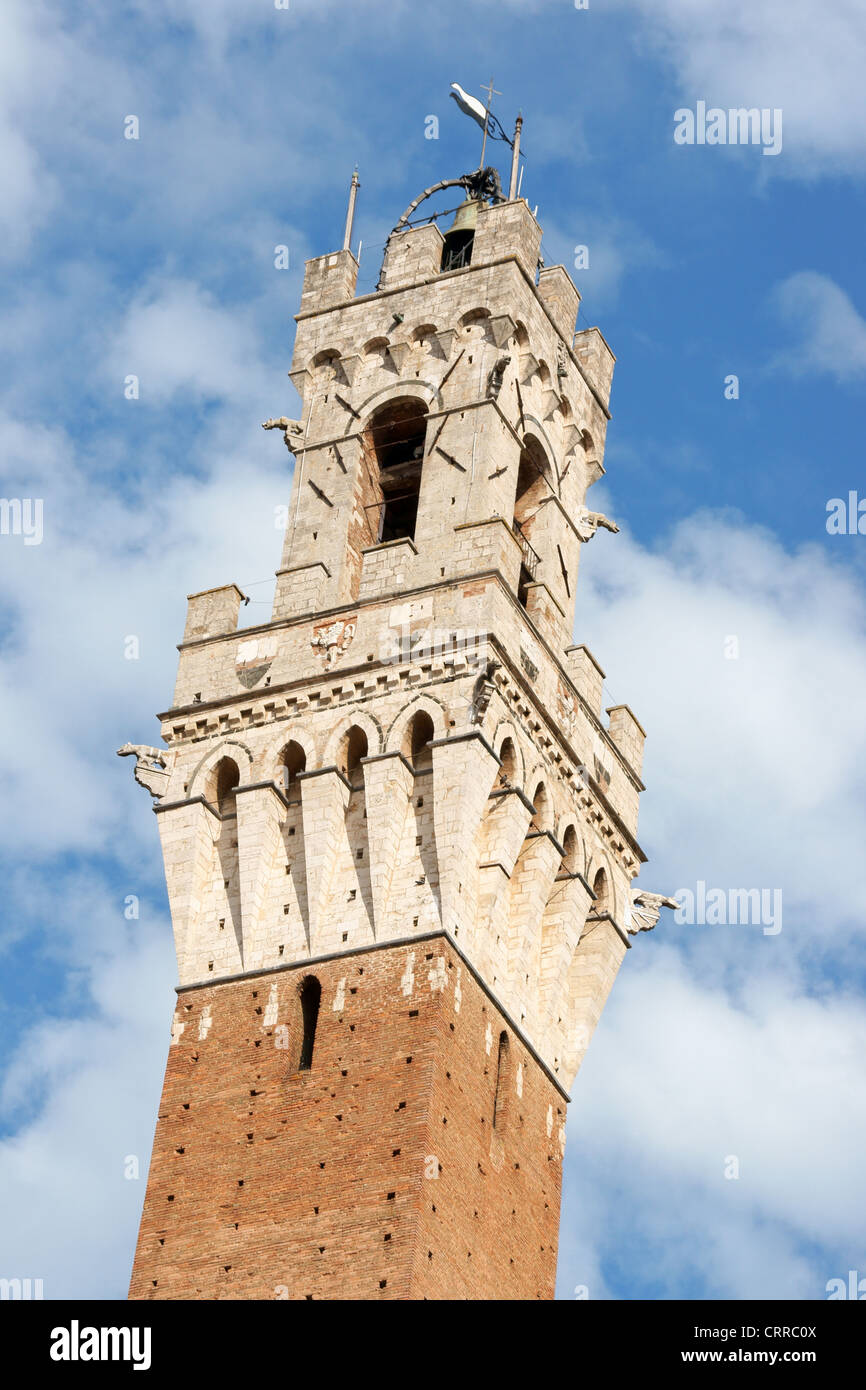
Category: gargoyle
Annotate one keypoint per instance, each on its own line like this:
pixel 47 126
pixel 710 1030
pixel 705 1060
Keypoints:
pixel 588 523
pixel 152 766
pixel 293 430
pixel 482 692
pixel 494 379
pixel 645 910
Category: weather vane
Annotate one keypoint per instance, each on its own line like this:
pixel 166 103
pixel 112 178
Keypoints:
pixel 490 124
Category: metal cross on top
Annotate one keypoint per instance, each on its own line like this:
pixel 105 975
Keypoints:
pixel 491 93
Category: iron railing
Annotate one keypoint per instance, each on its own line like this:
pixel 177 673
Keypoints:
pixel 531 559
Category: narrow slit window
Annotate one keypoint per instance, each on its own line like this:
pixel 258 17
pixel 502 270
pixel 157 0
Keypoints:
pixel 311 995
pixel 500 1101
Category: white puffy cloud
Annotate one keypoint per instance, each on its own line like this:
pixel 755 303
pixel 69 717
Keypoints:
pixel 177 339
pixel 109 568
pixel 804 58
pixel 80 1097
pixel 754 763
pixel 684 1077
pixel 830 332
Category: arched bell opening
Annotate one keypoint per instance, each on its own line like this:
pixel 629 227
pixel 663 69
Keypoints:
pixel 394 449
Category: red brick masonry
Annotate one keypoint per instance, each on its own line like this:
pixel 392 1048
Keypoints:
pixel 378 1173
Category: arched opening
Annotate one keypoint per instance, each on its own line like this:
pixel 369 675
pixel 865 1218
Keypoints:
pixel 424 337
pixel 508 765
pixel 503 1073
pixel 222 786
pixel 416 745
pixel 293 761
pixel 532 488
pixel 601 889
pixel 324 367
pixel 311 997
pixel 541 803
pixel 394 451
pixel 457 251
pixel 353 747
pixel 570 844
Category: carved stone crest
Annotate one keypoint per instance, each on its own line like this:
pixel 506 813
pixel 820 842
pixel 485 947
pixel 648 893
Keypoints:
pixel 333 639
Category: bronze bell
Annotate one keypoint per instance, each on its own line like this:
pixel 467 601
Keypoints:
pixel 466 217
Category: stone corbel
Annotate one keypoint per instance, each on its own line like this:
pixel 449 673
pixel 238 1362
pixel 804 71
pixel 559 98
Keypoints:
pixel 445 341
pixel 300 379
pixel 528 367
pixel 398 352
pixel 502 326
pixel 349 368
pixel 571 434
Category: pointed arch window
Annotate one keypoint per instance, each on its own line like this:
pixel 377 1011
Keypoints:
pixel 222 785
pixel 601 889
pixel 293 762
pixel 353 747
pixel 417 740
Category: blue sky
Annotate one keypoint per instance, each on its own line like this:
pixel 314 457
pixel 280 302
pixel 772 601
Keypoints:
pixel 155 257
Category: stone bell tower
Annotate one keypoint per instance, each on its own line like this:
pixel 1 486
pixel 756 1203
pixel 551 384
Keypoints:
pixel 399 833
